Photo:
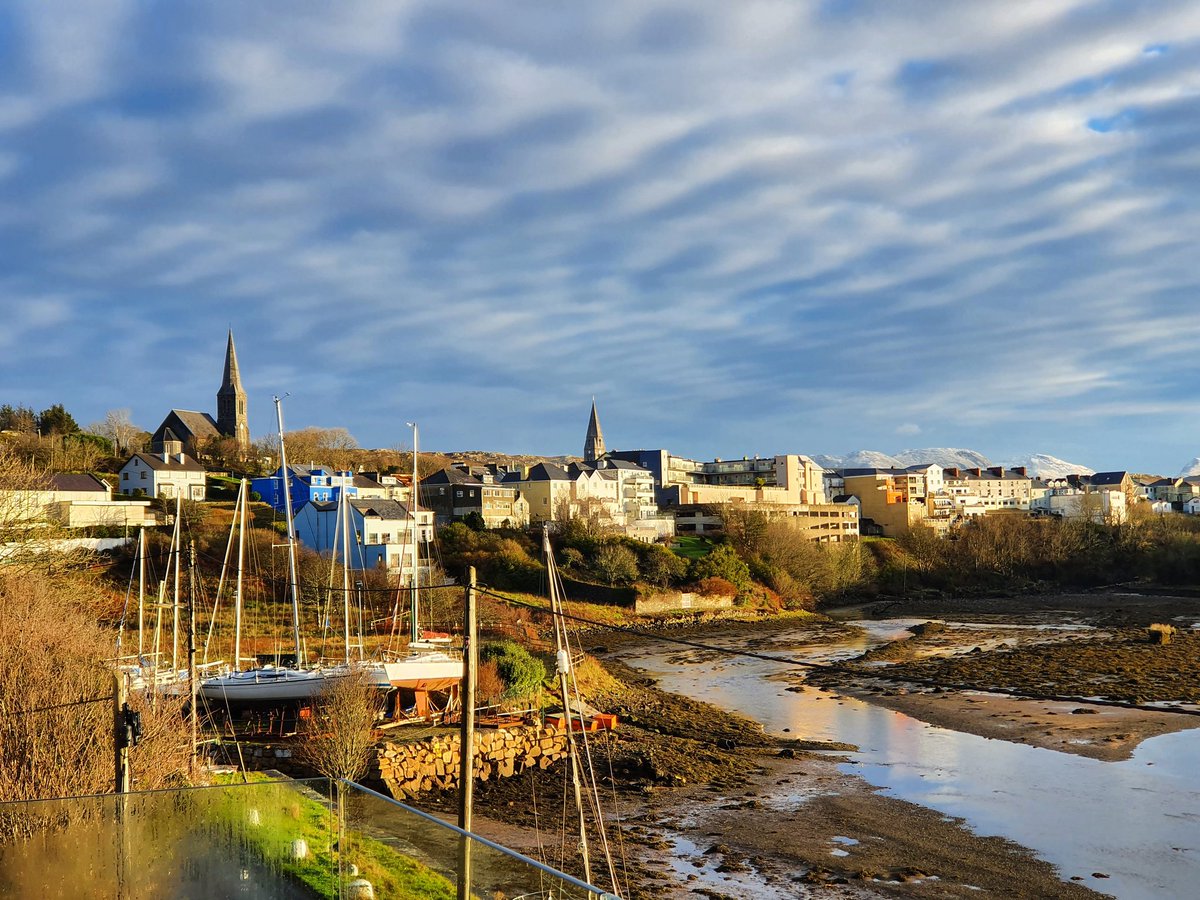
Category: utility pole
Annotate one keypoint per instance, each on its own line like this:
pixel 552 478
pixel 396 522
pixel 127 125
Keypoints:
pixel 191 636
pixel 121 736
pixel 125 733
pixel 466 770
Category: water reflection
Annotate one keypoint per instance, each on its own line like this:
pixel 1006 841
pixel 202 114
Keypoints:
pixel 1136 820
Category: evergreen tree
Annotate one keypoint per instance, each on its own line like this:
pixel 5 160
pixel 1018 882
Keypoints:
pixel 56 420
pixel 20 418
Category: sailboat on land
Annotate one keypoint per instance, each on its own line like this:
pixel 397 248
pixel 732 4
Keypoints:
pixel 427 664
pixel 269 682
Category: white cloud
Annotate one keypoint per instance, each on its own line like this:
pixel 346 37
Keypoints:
pixel 714 206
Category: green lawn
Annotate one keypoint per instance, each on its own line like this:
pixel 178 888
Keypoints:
pixel 692 546
pixel 292 815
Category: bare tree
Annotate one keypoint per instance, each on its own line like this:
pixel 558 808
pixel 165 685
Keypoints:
pixel 118 428
pixel 340 734
pixel 330 446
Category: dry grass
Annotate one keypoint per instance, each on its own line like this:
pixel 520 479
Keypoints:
pixel 56 720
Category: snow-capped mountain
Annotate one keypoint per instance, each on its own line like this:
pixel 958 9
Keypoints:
pixel 1039 465
pixel 1192 468
pixel 859 459
pixel 1043 465
pixel 944 456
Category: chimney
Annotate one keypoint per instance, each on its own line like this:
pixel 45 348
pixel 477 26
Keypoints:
pixel 950 471
pixel 977 472
pixel 998 471
pixel 1021 470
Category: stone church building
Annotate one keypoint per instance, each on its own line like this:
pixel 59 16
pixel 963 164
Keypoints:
pixel 183 429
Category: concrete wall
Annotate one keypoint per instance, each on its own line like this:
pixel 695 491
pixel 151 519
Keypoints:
pixel 671 601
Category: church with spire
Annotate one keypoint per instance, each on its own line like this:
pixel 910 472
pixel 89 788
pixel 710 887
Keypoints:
pixel 231 401
pixel 184 429
pixel 593 444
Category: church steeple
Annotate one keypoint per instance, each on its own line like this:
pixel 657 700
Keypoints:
pixel 232 420
pixel 593 444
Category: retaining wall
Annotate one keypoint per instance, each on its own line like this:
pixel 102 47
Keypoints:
pixel 412 768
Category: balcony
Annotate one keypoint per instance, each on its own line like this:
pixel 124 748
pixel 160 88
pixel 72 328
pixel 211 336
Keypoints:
pixel 273 840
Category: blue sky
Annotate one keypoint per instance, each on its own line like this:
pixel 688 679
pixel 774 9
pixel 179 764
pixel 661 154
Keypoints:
pixel 753 227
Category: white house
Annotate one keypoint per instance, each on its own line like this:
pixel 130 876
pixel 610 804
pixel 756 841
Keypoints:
pixel 74 501
pixel 163 475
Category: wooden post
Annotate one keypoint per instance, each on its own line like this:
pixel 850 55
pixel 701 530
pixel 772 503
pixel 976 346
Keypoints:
pixel 120 735
pixel 466 769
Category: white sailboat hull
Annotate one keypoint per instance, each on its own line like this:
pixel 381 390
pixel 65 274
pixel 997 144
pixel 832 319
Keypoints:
pixel 276 683
pixel 420 671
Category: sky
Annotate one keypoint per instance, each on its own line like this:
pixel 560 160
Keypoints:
pixel 751 227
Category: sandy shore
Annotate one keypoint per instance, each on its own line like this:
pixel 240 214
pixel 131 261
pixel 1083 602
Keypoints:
pixel 1085 729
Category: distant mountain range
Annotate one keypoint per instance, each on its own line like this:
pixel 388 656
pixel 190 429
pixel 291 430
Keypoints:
pixel 1039 465
pixel 1192 468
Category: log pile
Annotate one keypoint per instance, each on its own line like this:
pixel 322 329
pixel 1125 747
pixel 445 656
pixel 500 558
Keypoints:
pixel 410 769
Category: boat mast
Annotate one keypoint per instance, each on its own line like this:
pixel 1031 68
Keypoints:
pixel 414 628
pixel 237 596
pixel 345 572
pixel 293 578
pixel 141 589
pixel 175 541
pixel 563 658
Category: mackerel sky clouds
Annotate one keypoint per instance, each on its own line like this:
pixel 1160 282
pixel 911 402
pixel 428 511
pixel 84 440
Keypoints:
pixel 744 227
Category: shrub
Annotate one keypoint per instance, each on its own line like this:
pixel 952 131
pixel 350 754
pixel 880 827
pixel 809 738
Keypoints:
pixel 489 686
pixel 723 563
pixel 615 564
pixel 712 586
pixel 661 567
pixel 522 673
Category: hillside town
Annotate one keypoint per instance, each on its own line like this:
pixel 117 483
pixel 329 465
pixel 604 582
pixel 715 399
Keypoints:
pixel 649 495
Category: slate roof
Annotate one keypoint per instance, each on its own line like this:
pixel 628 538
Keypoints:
pixel 547 472
pixel 170 464
pixel 69 481
pixel 985 475
pixel 383 509
pixel 1107 478
pixel 451 475
pixel 199 424
pixel 612 463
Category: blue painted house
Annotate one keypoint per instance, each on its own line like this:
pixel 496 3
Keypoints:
pixel 310 484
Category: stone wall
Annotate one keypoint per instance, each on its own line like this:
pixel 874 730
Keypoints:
pixel 412 768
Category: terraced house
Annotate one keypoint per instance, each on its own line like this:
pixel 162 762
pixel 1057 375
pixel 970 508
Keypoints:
pixel 456 492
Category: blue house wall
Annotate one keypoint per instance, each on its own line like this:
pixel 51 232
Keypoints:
pixel 318 485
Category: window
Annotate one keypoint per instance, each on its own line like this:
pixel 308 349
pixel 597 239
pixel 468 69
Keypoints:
pixel 143 474
pixel 458 493
pixel 124 476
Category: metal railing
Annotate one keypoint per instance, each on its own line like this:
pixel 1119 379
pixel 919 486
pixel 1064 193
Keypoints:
pixel 268 840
